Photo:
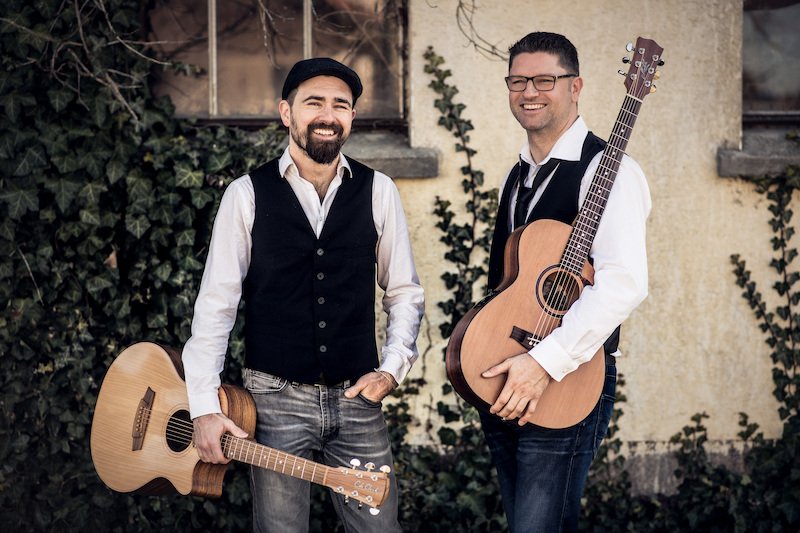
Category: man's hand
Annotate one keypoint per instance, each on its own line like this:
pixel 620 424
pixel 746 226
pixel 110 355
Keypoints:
pixel 524 385
pixel 374 386
pixel 208 431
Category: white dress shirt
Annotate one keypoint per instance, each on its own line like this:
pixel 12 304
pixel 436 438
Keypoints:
pixel 229 260
pixel 618 252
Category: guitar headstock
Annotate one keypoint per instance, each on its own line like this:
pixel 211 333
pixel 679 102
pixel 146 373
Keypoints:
pixel 644 67
pixel 368 486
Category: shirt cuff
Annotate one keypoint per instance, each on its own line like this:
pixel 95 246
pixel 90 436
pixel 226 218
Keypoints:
pixel 553 358
pixel 395 365
pixel 204 404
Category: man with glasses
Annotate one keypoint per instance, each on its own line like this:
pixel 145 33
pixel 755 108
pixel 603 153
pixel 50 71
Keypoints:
pixel 542 471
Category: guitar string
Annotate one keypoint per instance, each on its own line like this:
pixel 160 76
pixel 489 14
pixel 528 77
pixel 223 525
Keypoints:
pixel 182 432
pixel 597 197
pixel 571 256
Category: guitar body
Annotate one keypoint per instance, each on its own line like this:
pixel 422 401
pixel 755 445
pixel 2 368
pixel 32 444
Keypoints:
pixel 163 460
pixel 531 299
pixel 142 436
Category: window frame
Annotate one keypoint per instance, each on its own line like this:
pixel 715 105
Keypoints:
pixel 392 124
pixel 768 118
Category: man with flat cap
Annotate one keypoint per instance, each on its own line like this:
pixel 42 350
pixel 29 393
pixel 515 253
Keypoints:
pixel 302 239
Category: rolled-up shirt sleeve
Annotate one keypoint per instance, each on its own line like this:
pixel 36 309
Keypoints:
pixel 403 300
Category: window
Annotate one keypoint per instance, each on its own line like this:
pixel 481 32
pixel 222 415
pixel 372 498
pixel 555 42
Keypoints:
pixel 771 61
pixel 245 48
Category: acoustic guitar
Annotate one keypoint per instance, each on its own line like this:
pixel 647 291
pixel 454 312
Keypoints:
pixel 142 434
pixel 545 269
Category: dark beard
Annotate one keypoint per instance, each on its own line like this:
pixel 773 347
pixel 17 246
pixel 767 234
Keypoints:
pixel 321 152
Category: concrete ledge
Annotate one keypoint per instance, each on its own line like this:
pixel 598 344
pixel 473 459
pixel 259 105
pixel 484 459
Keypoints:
pixel 391 154
pixel 764 152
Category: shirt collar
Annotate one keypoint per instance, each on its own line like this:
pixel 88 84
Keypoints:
pixel 568 147
pixel 287 164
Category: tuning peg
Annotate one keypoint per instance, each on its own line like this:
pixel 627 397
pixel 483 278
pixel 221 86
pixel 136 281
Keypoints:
pixel 660 62
pixel 373 511
pixel 355 463
pixel 385 469
pixel 629 47
pixel 347 500
pixel 657 75
pixel 626 60
pixel 369 467
pixel 621 72
pixel 652 89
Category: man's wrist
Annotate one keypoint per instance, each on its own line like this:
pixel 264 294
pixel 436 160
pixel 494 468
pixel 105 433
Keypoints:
pixel 388 377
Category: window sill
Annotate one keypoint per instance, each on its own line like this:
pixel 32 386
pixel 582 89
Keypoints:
pixel 391 154
pixel 764 152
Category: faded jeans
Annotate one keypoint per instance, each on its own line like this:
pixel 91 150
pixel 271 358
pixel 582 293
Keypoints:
pixel 316 422
pixel 541 471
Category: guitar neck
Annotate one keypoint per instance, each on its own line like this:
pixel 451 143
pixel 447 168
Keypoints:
pixel 253 453
pixel 638 82
pixel 588 219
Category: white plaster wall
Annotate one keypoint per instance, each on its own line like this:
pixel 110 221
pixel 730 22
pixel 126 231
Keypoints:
pixel 694 345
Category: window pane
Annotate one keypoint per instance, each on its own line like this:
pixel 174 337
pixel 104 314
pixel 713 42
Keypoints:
pixel 771 57
pixel 255 50
pixel 367 36
pixel 259 40
pixel 179 29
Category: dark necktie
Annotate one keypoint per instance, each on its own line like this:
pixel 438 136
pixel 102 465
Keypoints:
pixel 525 194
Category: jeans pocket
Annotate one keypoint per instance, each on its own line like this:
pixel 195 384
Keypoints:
pixel 262 383
pixel 368 402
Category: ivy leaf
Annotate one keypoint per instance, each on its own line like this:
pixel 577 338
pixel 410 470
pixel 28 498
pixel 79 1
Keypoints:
pixel 98 110
pixel 66 163
pixel 64 191
pixel 115 169
pixel 34 159
pixel 60 98
pixel 218 162
pixel 185 237
pixel 91 163
pixel 90 193
pixel 97 283
pixel 137 226
pixel 187 177
pixel 200 198
pixel 139 189
pixel 90 216
pixel 20 202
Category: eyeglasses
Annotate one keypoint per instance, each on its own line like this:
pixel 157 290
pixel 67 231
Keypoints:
pixel 518 84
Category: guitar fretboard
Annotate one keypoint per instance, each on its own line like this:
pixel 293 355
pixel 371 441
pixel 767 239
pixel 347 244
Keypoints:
pixel 262 456
pixel 588 219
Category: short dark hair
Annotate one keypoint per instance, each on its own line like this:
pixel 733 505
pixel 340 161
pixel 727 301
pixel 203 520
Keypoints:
pixel 551 43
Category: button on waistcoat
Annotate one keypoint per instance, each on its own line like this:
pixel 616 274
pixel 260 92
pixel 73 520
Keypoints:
pixel 310 302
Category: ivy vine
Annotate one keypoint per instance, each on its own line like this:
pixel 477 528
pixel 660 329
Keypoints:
pixel 106 206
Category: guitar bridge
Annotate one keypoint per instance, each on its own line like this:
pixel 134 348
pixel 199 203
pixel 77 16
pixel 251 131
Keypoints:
pixel 142 418
pixel 527 339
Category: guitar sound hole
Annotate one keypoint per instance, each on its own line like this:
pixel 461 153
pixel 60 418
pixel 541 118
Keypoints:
pixel 559 290
pixel 179 431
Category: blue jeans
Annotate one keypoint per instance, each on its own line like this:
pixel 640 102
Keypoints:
pixel 541 471
pixel 318 423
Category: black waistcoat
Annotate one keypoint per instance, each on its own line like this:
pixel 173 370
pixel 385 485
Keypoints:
pixel 559 201
pixel 310 302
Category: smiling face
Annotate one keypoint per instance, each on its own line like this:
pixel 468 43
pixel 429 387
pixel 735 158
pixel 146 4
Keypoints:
pixel 544 114
pixel 319 117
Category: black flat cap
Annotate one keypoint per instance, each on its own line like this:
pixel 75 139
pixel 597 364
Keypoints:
pixel 321 66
